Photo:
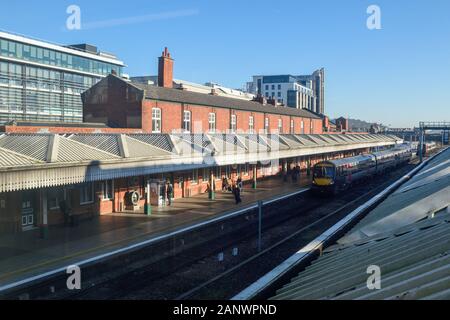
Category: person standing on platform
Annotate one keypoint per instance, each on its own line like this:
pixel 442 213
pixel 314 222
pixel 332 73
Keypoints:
pixel 224 184
pixel 169 191
pixel 240 185
pixel 236 193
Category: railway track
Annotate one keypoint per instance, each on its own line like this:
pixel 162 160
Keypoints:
pixel 281 238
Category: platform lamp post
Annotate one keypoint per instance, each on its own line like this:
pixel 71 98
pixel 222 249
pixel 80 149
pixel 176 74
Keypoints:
pixel 148 203
pixel 212 186
pixel 421 142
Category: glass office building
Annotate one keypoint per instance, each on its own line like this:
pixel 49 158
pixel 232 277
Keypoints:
pixel 40 81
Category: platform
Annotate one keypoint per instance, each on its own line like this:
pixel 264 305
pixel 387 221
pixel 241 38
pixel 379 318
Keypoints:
pixel 25 255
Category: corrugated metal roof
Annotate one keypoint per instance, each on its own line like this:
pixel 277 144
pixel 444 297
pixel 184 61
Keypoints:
pixel 30 145
pixel 11 159
pixel 73 151
pixel 47 160
pixel 254 142
pixel 414 262
pixel 161 141
pixel 50 148
pixel 105 142
pixel 139 149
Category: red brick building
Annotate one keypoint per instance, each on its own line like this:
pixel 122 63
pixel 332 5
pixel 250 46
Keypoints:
pixel 118 103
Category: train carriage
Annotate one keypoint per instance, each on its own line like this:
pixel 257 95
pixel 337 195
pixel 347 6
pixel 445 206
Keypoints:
pixel 333 176
pixel 336 175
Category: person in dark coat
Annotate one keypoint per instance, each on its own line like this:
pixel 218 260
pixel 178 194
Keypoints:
pixel 169 191
pixel 224 184
pixel 240 185
pixel 237 194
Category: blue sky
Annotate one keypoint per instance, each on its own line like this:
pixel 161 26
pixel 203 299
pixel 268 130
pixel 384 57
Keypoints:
pixel 397 75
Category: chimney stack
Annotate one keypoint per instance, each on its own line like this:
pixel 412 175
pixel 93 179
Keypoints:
pixel 165 70
pixel 272 101
pixel 259 98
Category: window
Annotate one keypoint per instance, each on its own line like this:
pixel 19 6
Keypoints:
pixel 273 94
pixel 212 122
pixel 267 87
pixel 233 123
pixel 251 124
pixel 279 87
pixel 266 125
pixel 267 94
pixel 279 94
pixel 187 121
pixel 273 87
pixel 86 193
pixel 54 196
pixel 156 120
pixel 280 125
pixel 107 190
pixel 292 126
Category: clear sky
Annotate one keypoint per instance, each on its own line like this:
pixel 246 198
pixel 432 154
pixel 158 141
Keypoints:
pixel 398 75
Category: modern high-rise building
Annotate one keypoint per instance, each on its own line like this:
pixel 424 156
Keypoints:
pixel 301 92
pixel 318 86
pixel 40 81
pixel 285 90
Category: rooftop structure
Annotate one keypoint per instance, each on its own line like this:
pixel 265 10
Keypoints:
pixel 207 88
pixel 108 156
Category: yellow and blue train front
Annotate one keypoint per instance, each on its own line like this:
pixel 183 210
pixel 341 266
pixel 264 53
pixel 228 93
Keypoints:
pixel 323 184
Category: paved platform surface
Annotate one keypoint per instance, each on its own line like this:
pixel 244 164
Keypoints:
pixel 25 254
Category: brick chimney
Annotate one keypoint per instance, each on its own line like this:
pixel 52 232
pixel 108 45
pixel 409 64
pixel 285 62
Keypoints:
pixel 165 70
pixel 259 98
pixel 272 101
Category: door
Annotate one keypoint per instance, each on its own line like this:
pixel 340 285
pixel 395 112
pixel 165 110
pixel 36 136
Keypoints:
pixel 28 211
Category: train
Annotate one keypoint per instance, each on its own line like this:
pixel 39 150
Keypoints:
pixel 426 148
pixel 333 176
